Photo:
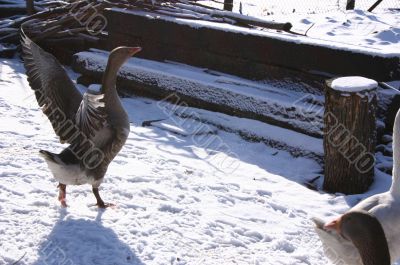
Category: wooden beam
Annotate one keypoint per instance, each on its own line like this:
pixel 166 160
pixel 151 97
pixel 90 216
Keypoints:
pixel 374 5
pixel 228 5
pixel 30 7
pixel 350 4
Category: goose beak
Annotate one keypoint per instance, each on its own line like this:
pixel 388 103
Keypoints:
pixel 134 50
pixel 334 225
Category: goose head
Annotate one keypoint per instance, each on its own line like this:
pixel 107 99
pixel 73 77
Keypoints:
pixel 116 59
pixel 367 235
pixel 120 55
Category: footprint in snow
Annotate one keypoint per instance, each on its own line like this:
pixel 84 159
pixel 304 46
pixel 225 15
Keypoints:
pixel 226 200
pixel 170 208
pixel 284 245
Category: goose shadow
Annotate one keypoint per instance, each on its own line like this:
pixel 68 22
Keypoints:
pixel 84 242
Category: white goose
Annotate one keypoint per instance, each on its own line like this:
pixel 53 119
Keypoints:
pixel 384 206
pixel 366 233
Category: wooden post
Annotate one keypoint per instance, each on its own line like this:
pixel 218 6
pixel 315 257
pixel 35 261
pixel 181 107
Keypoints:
pixel 30 7
pixel 374 5
pixel 228 5
pixel 349 134
pixel 350 4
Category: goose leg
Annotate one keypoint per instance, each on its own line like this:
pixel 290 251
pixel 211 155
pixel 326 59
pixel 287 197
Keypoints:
pixel 62 194
pixel 100 203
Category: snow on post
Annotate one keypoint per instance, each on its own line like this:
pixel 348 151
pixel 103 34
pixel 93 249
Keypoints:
pixel 349 134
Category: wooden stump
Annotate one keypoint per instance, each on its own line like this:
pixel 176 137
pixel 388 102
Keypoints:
pixel 349 134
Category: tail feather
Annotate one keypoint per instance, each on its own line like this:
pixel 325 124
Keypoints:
pixel 66 157
pixel 49 156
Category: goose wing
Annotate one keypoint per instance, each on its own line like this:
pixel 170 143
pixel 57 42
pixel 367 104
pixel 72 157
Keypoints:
pixel 91 115
pixel 54 90
pixel 91 119
pixel 117 141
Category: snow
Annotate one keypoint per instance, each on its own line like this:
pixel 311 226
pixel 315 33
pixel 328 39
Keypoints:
pixel 379 31
pixel 272 8
pixel 175 203
pixel 331 22
pixel 353 84
pixel 195 187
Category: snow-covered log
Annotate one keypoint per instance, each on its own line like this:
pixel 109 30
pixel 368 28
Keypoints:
pixel 283 102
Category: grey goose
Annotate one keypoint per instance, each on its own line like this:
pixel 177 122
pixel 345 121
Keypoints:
pixel 94 125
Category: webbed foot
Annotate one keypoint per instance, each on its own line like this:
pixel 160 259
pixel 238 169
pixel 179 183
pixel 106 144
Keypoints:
pixel 62 194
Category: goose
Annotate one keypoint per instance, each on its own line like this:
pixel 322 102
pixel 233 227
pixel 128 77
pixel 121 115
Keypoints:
pixel 366 233
pixel 385 207
pixel 95 124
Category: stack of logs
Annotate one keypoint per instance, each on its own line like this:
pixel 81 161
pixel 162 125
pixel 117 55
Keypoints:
pixel 81 23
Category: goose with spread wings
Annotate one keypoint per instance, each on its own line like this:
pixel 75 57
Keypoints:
pixel 95 124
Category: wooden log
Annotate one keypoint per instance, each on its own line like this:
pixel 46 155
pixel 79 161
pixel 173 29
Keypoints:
pixel 349 134
pixel 48 13
pixel 7 52
pixel 150 82
pixel 237 18
pixel 10 38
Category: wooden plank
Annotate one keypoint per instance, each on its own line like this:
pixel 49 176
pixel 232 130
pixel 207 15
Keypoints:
pixel 11 10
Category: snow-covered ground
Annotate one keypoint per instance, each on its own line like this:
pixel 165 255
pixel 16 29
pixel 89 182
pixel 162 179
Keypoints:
pixel 329 21
pixel 379 31
pixel 268 8
pixel 186 192
pixel 177 201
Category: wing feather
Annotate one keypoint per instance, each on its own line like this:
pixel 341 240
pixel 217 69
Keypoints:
pixel 91 116
pixel 54 90
pixel 115 145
